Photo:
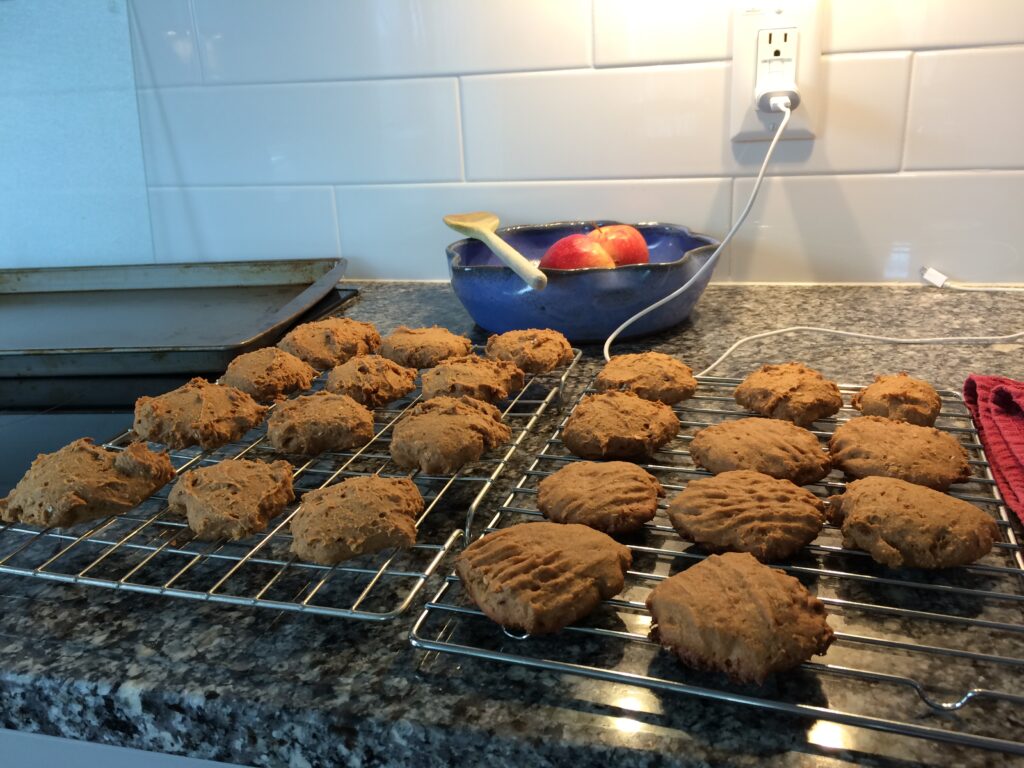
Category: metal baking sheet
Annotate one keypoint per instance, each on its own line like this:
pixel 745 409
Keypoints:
pixel 151 319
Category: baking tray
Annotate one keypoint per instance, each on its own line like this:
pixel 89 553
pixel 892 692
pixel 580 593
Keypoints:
pixel 151 319
pixel 915 651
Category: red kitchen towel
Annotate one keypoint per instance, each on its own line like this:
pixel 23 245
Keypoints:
pixel 997 405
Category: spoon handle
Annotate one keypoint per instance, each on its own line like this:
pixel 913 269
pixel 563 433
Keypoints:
pixel 515 260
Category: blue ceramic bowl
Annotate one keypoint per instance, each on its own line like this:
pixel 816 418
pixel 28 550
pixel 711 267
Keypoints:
pixel 584 304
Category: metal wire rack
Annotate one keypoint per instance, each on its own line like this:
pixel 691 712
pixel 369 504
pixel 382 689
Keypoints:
pixel 937 655
pixel 153 551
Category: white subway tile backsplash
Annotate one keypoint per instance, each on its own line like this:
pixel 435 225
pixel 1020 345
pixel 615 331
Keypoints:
pixel 873 228
pixel 227 224
pixel 615 123
pixel 880 25
pixel 965 109
pixel 164 43
pixel 246 41
pixel 399 130
pixel 660 31
pixel 416 249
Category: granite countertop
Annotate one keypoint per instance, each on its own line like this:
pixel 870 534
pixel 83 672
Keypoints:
pixel 266 688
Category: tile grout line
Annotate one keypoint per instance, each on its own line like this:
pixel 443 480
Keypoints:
pixel 139 59
pixel 460 122
pixel 337 222
pixel 905 138
pixel 198 43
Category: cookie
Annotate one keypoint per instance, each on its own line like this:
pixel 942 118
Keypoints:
pixel 82 482
pixel 268 374
pixel 371 380
pixel 901 398
pixel 743 511
pixel 324 421
pixel 615 497
pixel 902 524
pixel 489 380
pixel 534 350
pixel 789 391
pixel 327 343
pixel 357 516
pixel 651 375
pixel 776 448
pixel 540 577
pixel 232 499
pixel 618 425
pixel 440 435
pixel 871 445
pixel 423 347
pixel 197 413
pixel 729 613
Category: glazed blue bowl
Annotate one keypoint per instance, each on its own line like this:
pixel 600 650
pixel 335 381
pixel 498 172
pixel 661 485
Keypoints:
pixel 584 304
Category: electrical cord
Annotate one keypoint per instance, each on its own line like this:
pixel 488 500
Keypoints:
pixel 939 280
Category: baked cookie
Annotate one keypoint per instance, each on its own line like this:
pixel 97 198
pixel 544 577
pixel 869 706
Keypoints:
pixel 232 499
pixel 324 421
pixel 618 425
pixel 82 482
pixel 330 342
pixel 871 445
pixel 534 350
pixel 902 524
pixel 268 374
pixel 423 347
pixel 777 448
pixel 901 398
pixel 197 413
pixel 651 375
pixel 731 614
pixel 488 380
pixel 540 577
pixel 371 380
pixel 440 435
pixel 615 497
pixel 356 517
pixel 743 511
pixel 789 391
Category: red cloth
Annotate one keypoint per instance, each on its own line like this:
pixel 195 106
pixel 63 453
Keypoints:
pixel 997 406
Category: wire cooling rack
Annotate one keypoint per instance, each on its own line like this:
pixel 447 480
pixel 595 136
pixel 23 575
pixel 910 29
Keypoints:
pixel 938 655
pixel 153 551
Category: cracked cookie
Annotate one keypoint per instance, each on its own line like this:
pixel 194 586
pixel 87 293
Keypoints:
pixel 268 374
pixel 197 413
pixel 901 398
pixel 440 435
pixel 534 350
pixel 423 347
pixel 324 421
pixel 326 343
pixel 789 391
pixel 651 375
pixel 371 380
pixel 618 425
pixel 615 497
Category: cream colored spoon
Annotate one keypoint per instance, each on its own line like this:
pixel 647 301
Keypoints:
pixel 482 226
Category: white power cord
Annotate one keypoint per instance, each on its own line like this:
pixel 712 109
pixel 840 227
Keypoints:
pixel 939 280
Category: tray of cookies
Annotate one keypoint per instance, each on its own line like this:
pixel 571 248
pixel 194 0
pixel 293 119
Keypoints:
pixel 329 474
pixel 834 552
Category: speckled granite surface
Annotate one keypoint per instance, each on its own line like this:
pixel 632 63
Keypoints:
pixel 258 687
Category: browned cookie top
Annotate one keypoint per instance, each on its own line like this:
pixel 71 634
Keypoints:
pixel 197 413
pixel 743 511
pixel 488 380
pixel 423 347
pixel 618 425
pixel 330 342
pixel 371 380
pixel 83 482
pixel 732 614
pixel 651 375
pixel 902 524
pixel 900 397
pixel 871 445
pixel 534 350
pixel 440 435
pixel 777 448
pixel 357 516
pixel 613 496
pixel 324 421
pixel 789 391
pixel 232 499
pixel 268 374
pixel 540 577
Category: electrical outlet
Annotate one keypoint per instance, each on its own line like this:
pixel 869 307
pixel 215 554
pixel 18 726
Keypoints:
pixel 775 45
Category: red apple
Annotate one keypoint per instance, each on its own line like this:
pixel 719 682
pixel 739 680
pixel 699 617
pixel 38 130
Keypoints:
pixel 623 243
pixel 576 252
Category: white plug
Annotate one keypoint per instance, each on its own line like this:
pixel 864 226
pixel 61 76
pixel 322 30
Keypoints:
pixel 776 68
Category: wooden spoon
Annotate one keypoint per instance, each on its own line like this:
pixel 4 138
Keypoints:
pixel 482 226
